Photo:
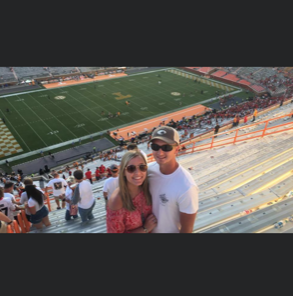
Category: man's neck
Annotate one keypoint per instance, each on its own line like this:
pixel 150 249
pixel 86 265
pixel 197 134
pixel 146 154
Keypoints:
pixel 168 169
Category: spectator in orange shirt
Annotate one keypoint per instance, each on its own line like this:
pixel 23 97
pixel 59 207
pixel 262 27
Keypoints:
pixel 255 114
pixel 234 122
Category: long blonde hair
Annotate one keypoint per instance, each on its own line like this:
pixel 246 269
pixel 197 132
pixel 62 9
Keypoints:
pixel 123 189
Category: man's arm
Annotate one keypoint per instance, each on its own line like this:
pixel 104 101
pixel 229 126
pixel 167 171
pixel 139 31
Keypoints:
pixel 4 218
pixel 105 195
pixel 187 222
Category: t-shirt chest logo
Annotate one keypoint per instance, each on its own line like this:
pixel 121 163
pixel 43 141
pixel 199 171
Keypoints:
pixel 58 185
pixel 163 199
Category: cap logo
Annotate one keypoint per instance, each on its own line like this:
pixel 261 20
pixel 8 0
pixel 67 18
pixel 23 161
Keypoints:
pixel 161 132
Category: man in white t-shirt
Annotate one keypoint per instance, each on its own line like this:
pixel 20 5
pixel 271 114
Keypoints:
pixel 111 183
pixel 174 191
pixel 8 190
pixel 8 204
pixel 59 186
pixel 83 196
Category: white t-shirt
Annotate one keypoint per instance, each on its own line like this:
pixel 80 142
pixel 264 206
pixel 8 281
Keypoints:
pixel 86 195
pixel 57 185
pixel 110 185
pixel 171 194
pixel 68 196
pixel 11 197
pixel 24 198
pixel 34 203
pixel 7 208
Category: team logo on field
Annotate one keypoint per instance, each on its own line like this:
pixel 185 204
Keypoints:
pixel 175 94
pixel 60 97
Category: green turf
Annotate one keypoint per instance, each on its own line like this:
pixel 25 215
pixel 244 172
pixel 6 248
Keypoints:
pixel 37 121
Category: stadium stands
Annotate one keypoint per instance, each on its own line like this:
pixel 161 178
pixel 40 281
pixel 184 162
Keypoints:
pixel 244 188
pixel 29 73
pixel 6 76
pixel 235 183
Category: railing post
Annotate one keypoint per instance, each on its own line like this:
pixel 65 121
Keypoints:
pixel 263 133
pixel 9 229
pixel 212 142
pixel 16 227
pixel 48 201
pixel 234 140
pixel 21 223
pixel 27 223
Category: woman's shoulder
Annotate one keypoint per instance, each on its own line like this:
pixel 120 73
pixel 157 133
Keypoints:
pixel 31 202
pixel 115 201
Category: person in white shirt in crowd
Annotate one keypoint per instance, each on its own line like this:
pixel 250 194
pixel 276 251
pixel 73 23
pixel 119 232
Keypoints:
pixel 83 196
pixel 111 183
pixel 8 190
pixel 68 196
pixel 24 196
pixel 135 147
pixel 59 187
pixel 174 191
pixel 7 207
pixel 36 206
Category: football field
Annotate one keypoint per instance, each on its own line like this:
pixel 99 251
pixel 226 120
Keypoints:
pixel 47 117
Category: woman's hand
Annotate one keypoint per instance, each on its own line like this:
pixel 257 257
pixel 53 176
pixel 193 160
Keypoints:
pixel 150 222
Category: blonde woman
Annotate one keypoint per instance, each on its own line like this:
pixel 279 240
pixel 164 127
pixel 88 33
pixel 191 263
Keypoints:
pixel 129 209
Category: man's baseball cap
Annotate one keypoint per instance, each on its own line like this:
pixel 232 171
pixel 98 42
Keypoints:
pixel 166 134
pixel 114 167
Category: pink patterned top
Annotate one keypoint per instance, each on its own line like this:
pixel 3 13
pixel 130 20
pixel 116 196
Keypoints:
pixel 123 221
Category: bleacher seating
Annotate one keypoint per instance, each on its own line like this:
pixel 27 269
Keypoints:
pixel 24 73
pixel 255 174
pixel 62 70
pixel 6 75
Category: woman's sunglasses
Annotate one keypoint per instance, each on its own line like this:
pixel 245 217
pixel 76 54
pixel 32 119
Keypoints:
pixel 165 148
pixel 132 168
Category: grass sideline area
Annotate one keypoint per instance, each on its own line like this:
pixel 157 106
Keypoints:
pixel 42 118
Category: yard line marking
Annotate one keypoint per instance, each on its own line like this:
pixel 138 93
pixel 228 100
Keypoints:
pixel 112 106
pixel 96 104
pixel 54 117
pixel 65 101
pixel 43 120
pixel 27 122
pixel 82 113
